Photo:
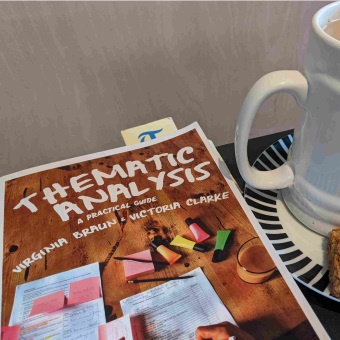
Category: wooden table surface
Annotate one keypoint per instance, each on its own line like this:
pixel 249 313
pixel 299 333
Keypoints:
pixel 266 310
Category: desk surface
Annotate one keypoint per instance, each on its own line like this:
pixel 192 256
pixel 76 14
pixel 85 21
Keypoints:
pixel 328 311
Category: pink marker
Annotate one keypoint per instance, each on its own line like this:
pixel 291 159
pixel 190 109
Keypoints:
pixel 200 235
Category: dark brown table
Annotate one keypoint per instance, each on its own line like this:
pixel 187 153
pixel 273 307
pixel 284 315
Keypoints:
pixel 327 310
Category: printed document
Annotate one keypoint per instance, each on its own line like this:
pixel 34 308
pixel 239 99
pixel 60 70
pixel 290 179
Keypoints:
pixel 175 309
pixel 26 293
pixel 79 322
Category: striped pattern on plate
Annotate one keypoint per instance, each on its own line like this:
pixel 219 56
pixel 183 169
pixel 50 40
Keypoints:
pixel 264 205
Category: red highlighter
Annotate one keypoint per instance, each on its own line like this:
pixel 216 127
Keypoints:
pixel 200 235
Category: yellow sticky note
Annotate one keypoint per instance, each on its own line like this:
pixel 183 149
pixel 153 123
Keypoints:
pixel 146 132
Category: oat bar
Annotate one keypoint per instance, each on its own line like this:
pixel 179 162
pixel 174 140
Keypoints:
pixel 334 261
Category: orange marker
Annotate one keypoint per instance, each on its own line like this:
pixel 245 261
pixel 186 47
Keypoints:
pixel 168 254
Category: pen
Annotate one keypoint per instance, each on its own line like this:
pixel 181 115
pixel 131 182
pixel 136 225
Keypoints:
pixel 161 279
pixel 138 260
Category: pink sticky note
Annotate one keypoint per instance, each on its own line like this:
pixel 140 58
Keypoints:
pixel 118 329
pixel 84 290
pixel 48 303
pixel 135 269
pixel 10 332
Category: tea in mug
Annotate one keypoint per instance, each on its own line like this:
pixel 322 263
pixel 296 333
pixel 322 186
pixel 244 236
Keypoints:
pixel 333 29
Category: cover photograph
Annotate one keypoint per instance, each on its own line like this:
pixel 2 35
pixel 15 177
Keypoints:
pixel 68 229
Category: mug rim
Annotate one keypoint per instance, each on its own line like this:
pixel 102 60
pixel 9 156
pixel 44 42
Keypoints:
pixel 320 19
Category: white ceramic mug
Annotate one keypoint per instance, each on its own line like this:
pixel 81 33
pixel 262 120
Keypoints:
pixel 310 179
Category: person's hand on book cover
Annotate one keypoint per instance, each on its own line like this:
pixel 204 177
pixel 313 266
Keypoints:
pixel 222 331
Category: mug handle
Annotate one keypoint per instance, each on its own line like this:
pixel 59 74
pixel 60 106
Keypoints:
pixel 292 82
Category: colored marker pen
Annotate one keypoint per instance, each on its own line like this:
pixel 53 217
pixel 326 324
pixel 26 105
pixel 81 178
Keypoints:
pixel 168 254
pixel 200 235
pixel 180 241
pixel 222 236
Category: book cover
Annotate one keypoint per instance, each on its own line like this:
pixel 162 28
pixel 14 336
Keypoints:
pixel 93 208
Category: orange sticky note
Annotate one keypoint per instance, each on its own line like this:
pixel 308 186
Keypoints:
pixel 10 332
pixel 84 290
pixel 48 303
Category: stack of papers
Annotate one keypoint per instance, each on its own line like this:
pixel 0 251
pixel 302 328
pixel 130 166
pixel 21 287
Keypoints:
pixel 175 309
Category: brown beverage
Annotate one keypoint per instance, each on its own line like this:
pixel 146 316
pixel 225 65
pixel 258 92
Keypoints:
pixel 254 264
pixel 333 29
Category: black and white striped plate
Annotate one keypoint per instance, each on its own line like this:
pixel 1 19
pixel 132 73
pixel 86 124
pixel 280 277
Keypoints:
pixel 302 250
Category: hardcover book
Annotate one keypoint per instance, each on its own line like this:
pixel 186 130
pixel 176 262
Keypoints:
pixel 69 214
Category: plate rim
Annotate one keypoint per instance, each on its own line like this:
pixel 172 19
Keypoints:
pixel 307 285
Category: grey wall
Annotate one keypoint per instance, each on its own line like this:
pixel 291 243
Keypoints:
pixel 74 74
